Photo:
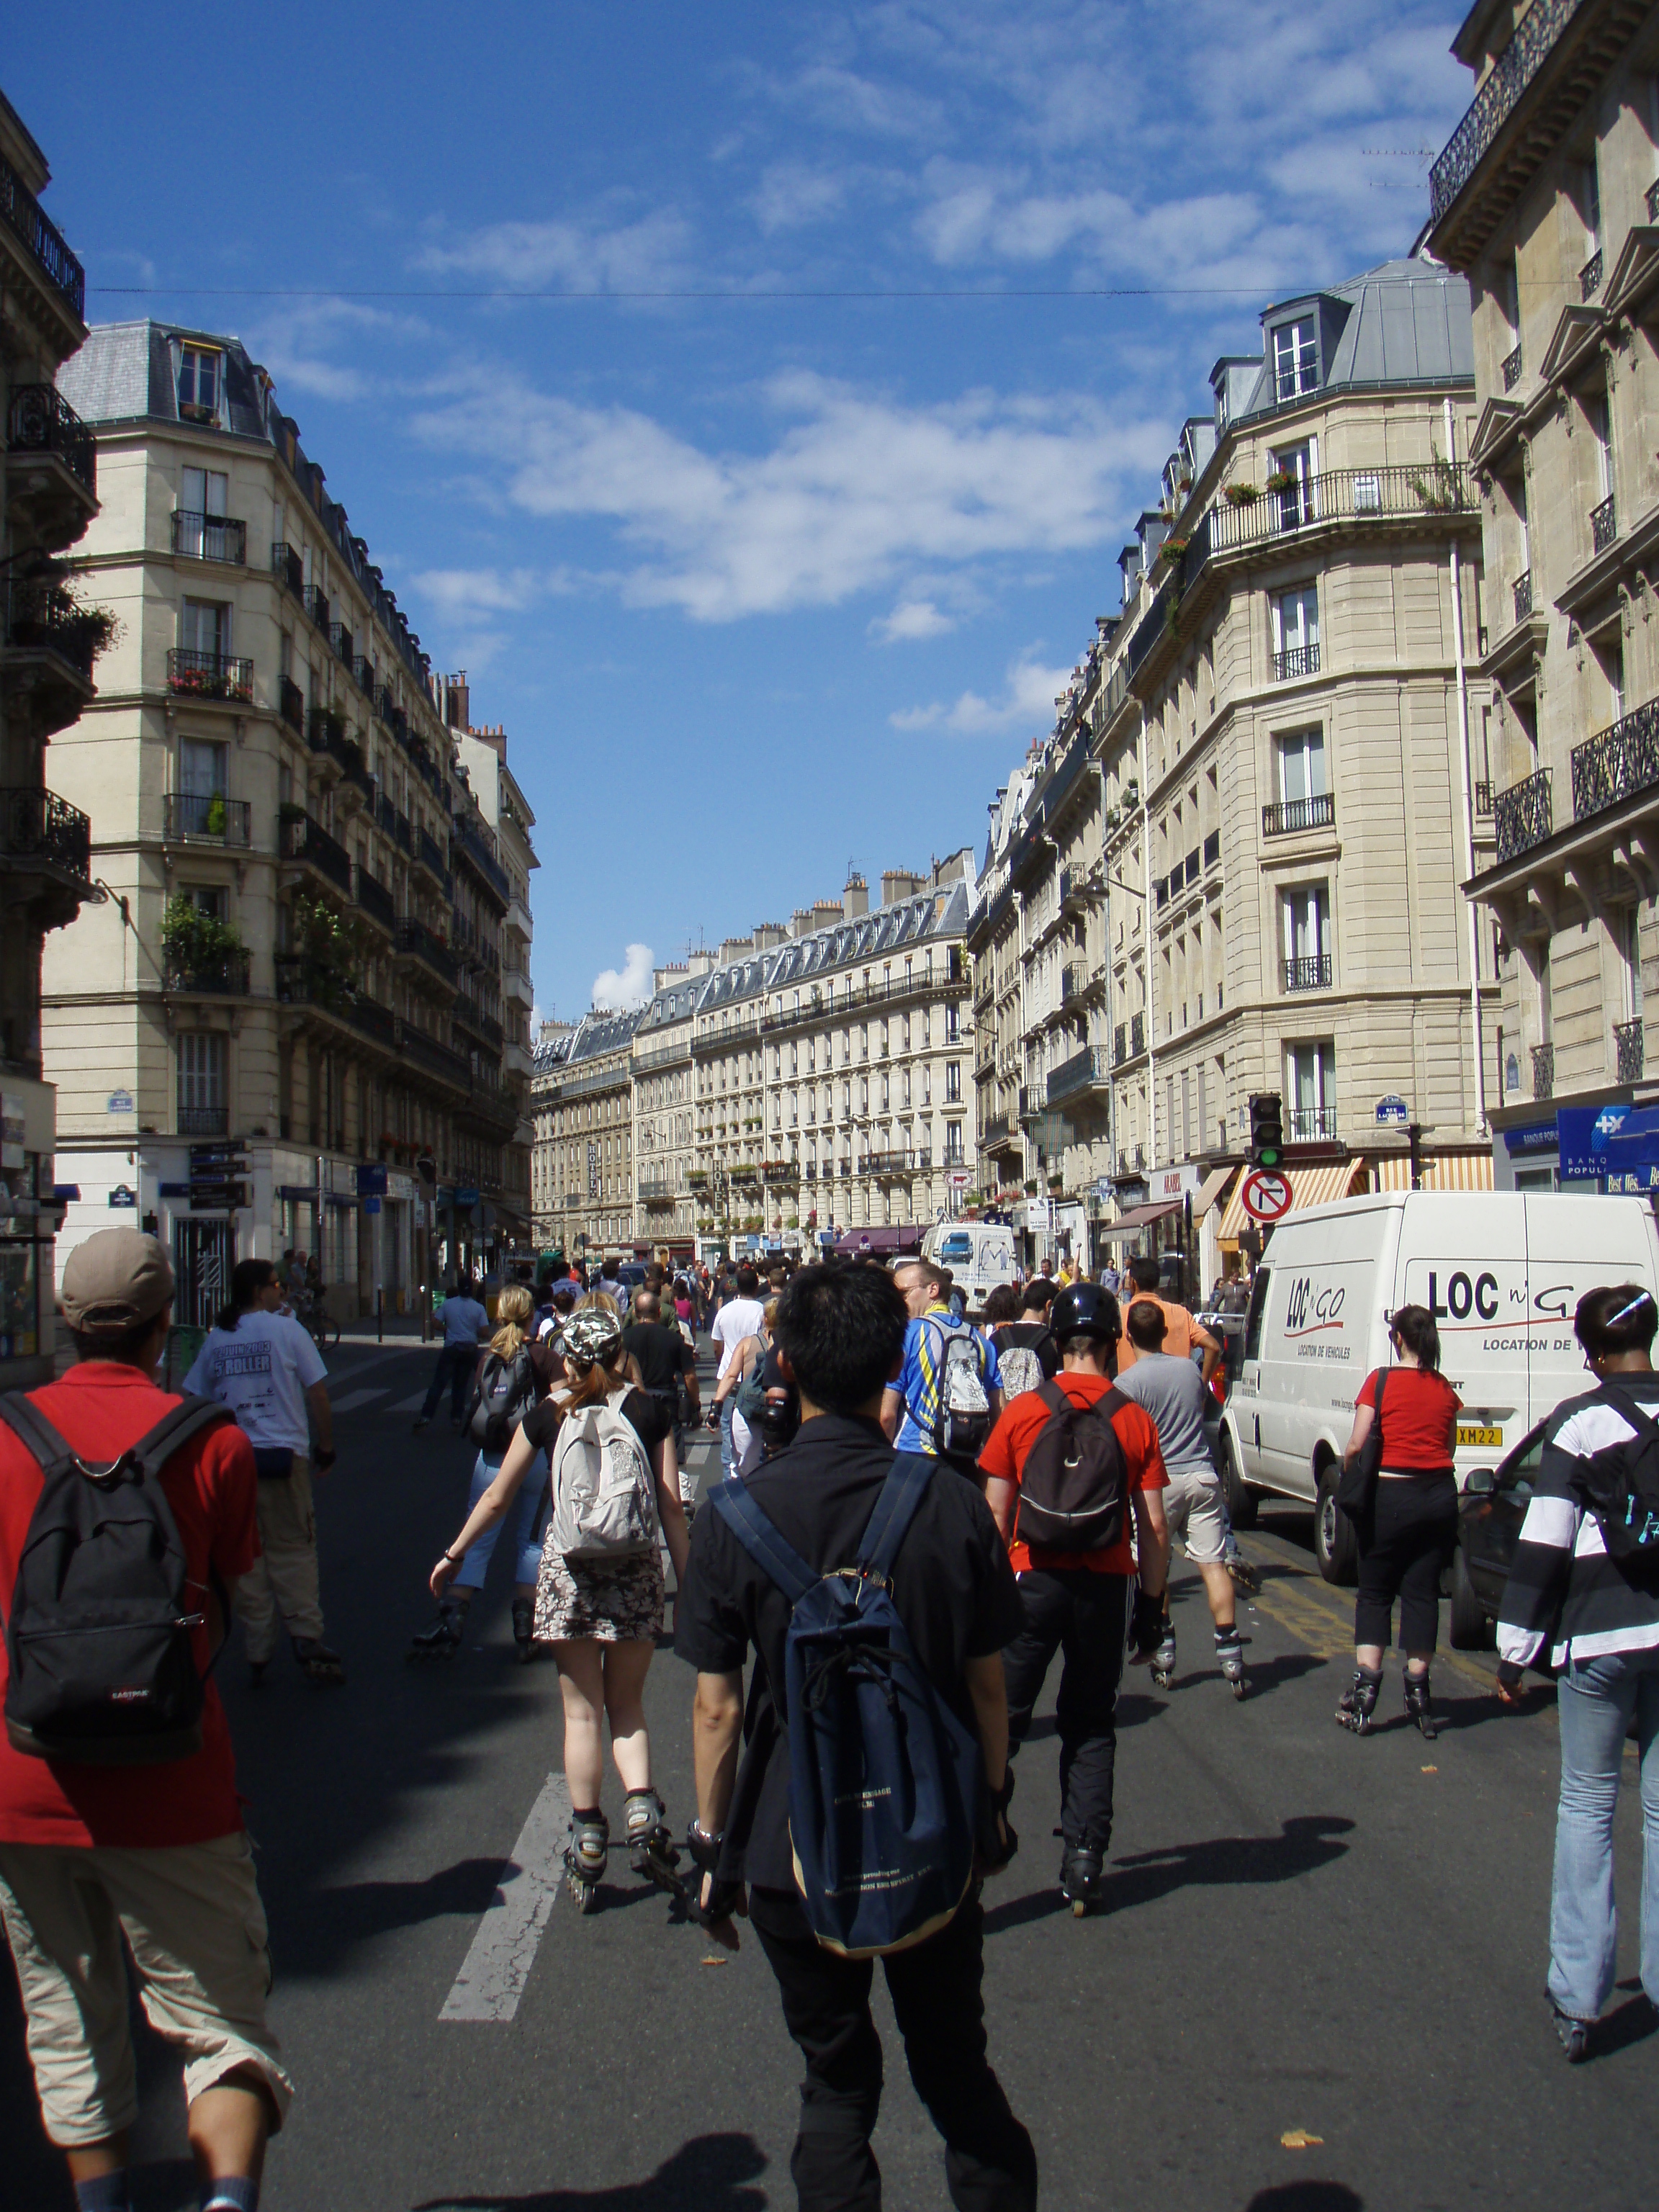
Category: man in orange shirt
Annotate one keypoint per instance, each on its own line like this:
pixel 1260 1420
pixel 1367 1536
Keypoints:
pixel 1183 1336
pixel 1080 1601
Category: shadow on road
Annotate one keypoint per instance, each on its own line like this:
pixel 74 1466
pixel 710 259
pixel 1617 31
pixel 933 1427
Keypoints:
pixel 705 2175
pixel 1307 2197
pixel 1635 2020
pixel 317 1940
pixel 1267 1675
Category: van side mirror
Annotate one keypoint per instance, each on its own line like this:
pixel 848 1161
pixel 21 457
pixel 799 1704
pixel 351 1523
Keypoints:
pixel 1479 1482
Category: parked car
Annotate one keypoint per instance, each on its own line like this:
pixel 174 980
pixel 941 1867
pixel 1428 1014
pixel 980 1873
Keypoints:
pixel 1491 1508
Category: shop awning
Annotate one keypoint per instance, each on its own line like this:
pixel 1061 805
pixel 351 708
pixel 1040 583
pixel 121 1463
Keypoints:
pixel 1138 1218
pixel 1309 1186
pixel 1441 1172
pixel 1210 1189
pixel 883 1240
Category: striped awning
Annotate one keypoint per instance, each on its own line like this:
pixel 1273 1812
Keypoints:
pixel 1213 1184
pixel 1309 1186
pixel 1441 1172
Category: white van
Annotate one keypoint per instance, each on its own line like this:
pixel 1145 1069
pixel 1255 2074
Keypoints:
pixel 1501 1271
pixel 979 1253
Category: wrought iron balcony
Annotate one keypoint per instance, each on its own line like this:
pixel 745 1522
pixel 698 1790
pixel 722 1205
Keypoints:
pixel 429 853
pixel 291 703
pixel 317 607
pixel 1511 369
pixel 206 818
pixel 417 942
pixel 1072 980
pixel 225 975
pixel 1399 491
pixel 1496 101
pixel 1083 1071
pixel 1523 816
pixel 1286 816
pixel 1604 525
pixel 1628 1050
pixel 1311 972
pixel 375 900
pixel 1589 276
pixel 208 537
pixel 1137 1036
pixel 38 825
pixel 467 844
pixel 210 675
pixel 427 1053
pixel 344 644
pixel 1309 1125
pixel 363 669
pixel 43 421
pixel 1616 761
pixel 1120 1045
pixel 288 568
pixel 999 1129
pixel 327 737
pixel 203 1120
pixel 1297 661
pixel 44 241
pixel 306 841
pixel 1543 1071
pixel 1522 589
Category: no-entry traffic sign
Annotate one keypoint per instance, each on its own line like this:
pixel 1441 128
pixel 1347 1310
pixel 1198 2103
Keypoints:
pixel 1265 1197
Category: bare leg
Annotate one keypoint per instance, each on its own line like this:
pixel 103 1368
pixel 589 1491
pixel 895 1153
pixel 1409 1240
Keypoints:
pixel 582 1682
pixel 1219 1589
pixel 626 1666
pixel 92 2162
pixel 228 2125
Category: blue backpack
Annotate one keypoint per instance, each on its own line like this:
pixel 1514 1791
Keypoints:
pixel 884 1778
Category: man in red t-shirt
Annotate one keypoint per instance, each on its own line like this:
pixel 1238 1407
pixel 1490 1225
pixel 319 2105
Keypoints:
pixel 1079 1601
pixel 90 1854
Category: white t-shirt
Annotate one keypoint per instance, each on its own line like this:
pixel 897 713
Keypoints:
pixel 733 1323
pixel 261 1370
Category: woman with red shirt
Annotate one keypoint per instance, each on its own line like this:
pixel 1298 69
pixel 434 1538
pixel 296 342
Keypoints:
pixel 1406 1539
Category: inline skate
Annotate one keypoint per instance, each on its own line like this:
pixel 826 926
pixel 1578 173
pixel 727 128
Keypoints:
pixel 585 1858
pixel 1229 1657
pixel 1079 1878
pixel 1358 1701
pixel 443 1640
pixel 1416 1705
pixel 651 1849
pixel 1164 1659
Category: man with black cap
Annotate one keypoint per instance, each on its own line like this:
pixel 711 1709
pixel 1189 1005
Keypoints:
pixel 1080 1601
pixel 101 1860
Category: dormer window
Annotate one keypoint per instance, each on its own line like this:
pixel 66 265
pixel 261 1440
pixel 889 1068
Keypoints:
pixel 198 383
pixel 1295 359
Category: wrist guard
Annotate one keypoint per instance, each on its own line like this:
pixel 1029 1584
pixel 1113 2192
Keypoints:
pixel 995 1840
pixel 1146 1624
pixel 703 1850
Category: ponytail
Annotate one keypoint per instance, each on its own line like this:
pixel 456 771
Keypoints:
pixel 247 1279
pixel 1415 1327
pixel 513 1308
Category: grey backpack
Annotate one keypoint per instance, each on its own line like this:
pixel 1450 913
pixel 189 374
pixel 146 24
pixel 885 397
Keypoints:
pixel 605 1493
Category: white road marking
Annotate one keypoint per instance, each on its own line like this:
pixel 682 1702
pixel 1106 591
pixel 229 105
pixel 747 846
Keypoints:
pixel 348 1401
pixel 410 1404
pixel 495 1971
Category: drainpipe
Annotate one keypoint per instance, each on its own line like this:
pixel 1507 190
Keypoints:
pixel 1466 796
pixel 1152 962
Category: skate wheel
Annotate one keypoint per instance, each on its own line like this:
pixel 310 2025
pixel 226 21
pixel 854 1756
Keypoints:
pixel 1160 1678
pixel 1238 1691
pixel 1080 1907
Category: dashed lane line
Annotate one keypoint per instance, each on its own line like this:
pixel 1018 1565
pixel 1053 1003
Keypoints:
pixel 498 1966
pixel 349 1400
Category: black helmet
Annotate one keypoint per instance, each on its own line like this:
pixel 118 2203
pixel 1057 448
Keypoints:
pixel 1085 1310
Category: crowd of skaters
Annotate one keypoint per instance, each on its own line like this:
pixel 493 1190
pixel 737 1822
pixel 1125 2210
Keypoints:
pixel 823 1370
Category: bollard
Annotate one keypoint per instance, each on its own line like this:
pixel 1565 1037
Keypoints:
pixel 379 1314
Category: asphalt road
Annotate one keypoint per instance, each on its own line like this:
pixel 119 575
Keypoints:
pixel 1311 1940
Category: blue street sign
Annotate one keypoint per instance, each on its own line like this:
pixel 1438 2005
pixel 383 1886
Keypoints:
pixel 122 1197
pixel 1392 1112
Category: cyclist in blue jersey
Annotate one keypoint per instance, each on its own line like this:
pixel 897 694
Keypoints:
pixel 913 1410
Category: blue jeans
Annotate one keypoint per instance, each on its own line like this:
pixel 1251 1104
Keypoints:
pixel 1597 1699
pixel 529 1505
pixel 457 1361
pixel 728 1442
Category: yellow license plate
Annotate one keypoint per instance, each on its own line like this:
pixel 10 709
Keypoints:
pixel 1479 1438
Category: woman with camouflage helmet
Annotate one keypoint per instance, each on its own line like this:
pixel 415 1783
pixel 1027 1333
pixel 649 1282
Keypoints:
pixel 601 1615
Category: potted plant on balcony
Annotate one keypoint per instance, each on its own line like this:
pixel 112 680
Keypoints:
pixel 1280 480
pixel 1056 1184
pixel 1240 495
pixel 1031 1189
pixel 325 945
pixel 199 948
pixel 1437 488
pixel 217 815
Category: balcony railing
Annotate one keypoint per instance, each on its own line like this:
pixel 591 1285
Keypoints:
pixel 1082 1072
pixel 22 212
pixel 362 670
pixel 1311 972
pixel 467 844
pixel 1589 276
pixel 436 1059
pixel 288 568
pixel 1543 1071
pixel 1616 762
pixel 1072 980
pixel 1297 661
pixel 998 1129
pixel 203 1120
pixel 418 942
pixel 1307 1125
pixel 1483 799
pixel 1627 1049
pixel 1523 814
pixel 472 1015
pixel 1285 816
pixel 225 975
pixel 206 818
pixel 291 704
pixel 655 1190
pixel 429 853
pixel 327 735
pixel 43 421
pixel 208 537
pixel 307 841
pixel 39 825
pixel 1511 369
pixel 1522 589
pixel 375 900
pixel 1653 201
pixel 317 607
pixel 210 675
pixel 1604 525
pixel 1497 99
pixel 896 1163
pixel 344 644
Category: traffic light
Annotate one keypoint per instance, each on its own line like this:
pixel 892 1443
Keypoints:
pixel 1267 1130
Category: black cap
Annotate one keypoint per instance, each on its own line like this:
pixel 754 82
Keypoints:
pixel 1085 1310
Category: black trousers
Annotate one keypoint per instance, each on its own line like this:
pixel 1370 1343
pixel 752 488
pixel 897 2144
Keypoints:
pixel 1086 1617
pixel 989 2163
pixel 1406 1544
pixel 455 1365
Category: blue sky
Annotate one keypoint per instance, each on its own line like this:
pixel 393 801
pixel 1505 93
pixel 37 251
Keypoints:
pixel 759 585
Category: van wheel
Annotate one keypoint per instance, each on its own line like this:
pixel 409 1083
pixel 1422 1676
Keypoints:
pixel 1334 1545
pixel 1470 1629
pixel 1242 1500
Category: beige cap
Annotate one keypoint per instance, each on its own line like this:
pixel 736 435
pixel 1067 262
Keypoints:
pixel 114 1281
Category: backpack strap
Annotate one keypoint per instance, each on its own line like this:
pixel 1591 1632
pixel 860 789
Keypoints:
pixel 36 1434
pixel 895 1509
pixel 761 1540
pixel 173 1432
pixel 1642 1421
pixel 1054 1398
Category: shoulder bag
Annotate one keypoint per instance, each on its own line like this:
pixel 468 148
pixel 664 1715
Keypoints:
pixel 1355 1486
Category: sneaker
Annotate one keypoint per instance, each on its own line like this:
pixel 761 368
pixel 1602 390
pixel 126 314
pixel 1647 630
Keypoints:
pixel 417 1425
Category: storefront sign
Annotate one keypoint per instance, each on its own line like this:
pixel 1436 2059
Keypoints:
pixel 1165 1183
pixel 371 1181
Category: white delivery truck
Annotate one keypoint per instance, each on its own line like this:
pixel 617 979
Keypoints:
pixel 1501 1271
pixel 979 1253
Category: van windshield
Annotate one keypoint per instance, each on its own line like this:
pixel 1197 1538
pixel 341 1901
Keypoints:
pixel 1254 1319
pixel 958 1247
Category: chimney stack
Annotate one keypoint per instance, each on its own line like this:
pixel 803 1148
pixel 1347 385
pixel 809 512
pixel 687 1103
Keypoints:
pixel 855 900
pixel 801 922
pixel 898 885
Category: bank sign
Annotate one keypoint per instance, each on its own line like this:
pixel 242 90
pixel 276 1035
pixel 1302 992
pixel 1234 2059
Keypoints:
pixel 1614 1144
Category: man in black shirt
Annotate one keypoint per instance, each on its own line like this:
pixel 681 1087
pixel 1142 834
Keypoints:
pixel 1028 1335
pixel 839 1335
pixel 666 1361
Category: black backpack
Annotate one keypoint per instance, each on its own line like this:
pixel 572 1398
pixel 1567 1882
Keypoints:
pixel 98 1632
pixel 1072 1484
pixel 503 1394
pixel 1620 1484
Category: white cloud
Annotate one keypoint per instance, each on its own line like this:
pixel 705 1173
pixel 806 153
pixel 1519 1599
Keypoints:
pixel 911 620
pixel 459 592
pixel 1029 693
pixel 791 195
pixel 856 491
pixel 617 990
pixel 583 253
